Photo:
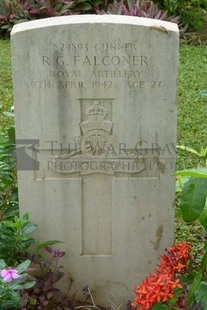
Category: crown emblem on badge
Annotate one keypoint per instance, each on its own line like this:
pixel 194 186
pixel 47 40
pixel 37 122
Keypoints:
pixel 96 111
pixel 96 119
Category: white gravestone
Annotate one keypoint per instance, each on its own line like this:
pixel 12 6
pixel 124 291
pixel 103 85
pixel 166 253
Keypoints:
pixel 95 107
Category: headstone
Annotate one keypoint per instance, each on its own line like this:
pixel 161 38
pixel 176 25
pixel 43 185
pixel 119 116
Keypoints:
pixel 95 107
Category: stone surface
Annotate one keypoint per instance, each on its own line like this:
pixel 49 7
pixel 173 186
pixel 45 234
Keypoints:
pixel 95 106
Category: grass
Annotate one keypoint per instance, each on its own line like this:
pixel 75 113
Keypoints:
pixel 192 111
pixel 192 107
pixel 6 97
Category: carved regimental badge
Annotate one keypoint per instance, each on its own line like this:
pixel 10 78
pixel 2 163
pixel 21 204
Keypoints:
pixel 99 150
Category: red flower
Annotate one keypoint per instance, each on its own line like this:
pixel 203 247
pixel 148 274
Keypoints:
pixel 161 286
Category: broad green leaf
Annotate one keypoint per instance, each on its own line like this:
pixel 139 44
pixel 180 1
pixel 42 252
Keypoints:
pixel 180 181
pixel 197 281
pixel 198 173
pixel 14 285
pixel 29 229
pixel 203 217
pixel 193 199
pixel 201 294
pixel 63 10
pixel 9 224
pixel 17 286
pixel 26 216
pixel 23 266
pixel 28 285
pixel 194 287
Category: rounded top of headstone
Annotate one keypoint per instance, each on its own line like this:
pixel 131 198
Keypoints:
pixel 90 19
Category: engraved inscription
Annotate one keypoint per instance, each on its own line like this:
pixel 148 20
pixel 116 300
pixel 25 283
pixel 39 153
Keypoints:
pixel 99 150
pixel 98 65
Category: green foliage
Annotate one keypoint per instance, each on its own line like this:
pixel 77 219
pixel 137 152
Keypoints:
pixel 194 207
pixel 195 290
pixel 194 189
pixel 8 184
pixel 201 296
pixel 33 9
pixel 142 8
pixel 87 6
pixel 202 154
pixel 45 295
pixel 10 295
pixel 191 12
pixel 196 173
pixel 193 198
pixel 191 105
pixel 16 11
pixel 15 239
pixel 6 97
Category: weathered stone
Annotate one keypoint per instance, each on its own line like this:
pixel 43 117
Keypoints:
pixel 98 94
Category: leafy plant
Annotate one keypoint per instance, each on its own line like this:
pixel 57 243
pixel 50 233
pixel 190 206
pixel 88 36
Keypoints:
pixel 15 11
pixel 14 236
pixel 191 12
pixel 175 284
pixel 201 154
pixel 44 294
pixel 140 8
pixel 8 184
pixel 12 282
pixel 163 288
pixel 179 282
pixel 88 6
pixel 193 206
pixel 35 9
pixel 15 239
pixel 7 15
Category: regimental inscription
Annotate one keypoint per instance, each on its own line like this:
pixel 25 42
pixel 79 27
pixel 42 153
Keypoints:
pixel 83 65
pixel 99 149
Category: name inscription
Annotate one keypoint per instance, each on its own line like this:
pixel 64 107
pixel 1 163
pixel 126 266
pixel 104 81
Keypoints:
pixel 99 65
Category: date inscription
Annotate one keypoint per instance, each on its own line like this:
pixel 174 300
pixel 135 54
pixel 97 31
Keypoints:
pixel 99 65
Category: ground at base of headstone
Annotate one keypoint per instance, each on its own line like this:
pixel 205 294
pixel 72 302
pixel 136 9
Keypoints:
pixel 64 302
